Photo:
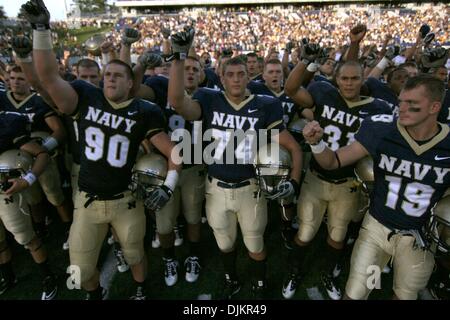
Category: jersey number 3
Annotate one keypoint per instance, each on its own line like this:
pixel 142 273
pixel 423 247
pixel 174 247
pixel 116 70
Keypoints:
pixel 118 146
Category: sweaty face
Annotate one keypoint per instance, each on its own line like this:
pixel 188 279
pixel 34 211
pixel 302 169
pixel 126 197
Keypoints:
pixel 117 83
pixel 235 80
pixel 191 74
pixel 18 83
pixel 349 81
pixel 90 75
pixel 414 106
pixel 273 76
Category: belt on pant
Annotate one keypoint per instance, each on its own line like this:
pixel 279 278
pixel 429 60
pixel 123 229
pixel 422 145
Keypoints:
pixel 228 185
pixel 94 197
pixel 334 181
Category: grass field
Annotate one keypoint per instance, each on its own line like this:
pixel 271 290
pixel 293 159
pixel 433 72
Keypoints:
pixel 211 277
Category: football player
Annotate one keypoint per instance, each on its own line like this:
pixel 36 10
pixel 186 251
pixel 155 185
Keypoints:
pixel 14 215
pixel 111 127
pixel 190 192
pixel 411 168
pixel 254 72
pixel 340 110
pixel 232 194
pixel 42 119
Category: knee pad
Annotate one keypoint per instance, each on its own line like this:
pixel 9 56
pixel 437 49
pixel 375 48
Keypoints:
pixel 254 243
pixel 306 233
pixel 337 234
pixel 133 253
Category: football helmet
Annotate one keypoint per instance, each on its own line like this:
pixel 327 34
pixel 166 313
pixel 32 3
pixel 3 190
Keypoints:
pixel 93 45
pixel 149 172
pixel 13 164
pixel 364 173
pixel 437 230
pixel 272 166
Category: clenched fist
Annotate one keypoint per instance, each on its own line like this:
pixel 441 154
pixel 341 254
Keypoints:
pixel 312 132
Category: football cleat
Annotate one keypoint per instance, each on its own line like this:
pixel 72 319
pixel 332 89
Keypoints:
pixel 178 236
pixel 259 290
pixel 290 286
pixel 6 284
pixel 122 265
pixel 192 269
pixel 139 295
pixel 231 287
pixel 103 297
pixel 332 290
pixel 170 271
pixel 49 288
pixel 337 270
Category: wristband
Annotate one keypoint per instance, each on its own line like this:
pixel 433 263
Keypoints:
pixel 171 179
pixel 30 178
pixel 383 63
pixel 319 147
pixel 42 39
pixel 50 143
pixel 313 67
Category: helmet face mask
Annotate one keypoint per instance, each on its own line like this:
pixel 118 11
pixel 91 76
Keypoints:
pixel 437 230
pixel 272 167
pixel 13 164
pixel 364 174
pixel 149 173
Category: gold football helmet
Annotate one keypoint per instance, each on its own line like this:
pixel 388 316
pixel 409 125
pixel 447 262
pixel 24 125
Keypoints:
pixel 13 164
pixel 93 45
pixel 364 173
pixel 149 172
pixel 437 229
pixel 272 165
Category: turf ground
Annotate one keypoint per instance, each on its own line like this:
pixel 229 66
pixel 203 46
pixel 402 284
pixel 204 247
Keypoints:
pixel 211 277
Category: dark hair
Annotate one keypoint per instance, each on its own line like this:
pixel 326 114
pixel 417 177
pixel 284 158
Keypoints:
pixel 87 63
pixel 272 61
pixel 409 64
pixel 236 61
pixel 391 73
pixel 16 69
pixel 434 88
pixel 128 69
pixel 252 54
pixel 348 63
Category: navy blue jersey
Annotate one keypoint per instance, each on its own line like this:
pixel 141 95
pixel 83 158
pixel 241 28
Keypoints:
pixel 444 114
pixel 258 78
pixel 73 141
pixel 212 79
pixel 177 122
pixel 381 90
pixel 409 177
pixel 340 120
pixel 289 107
pixel 160 85
pixel 224 117
pixel 319 77
pixel 110 135
pixel 13 130
pixel 33 107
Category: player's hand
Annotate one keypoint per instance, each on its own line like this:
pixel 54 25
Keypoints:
pixel 130 36
pixel 17 185
pixel 371 60
pixel 312 132
pixel 310 52
pixel 357 33
pixel 22 46
pixel 158 198
pixel 36 13
pixel 150 60
pixel 107 47
pixel 285 190
pixel 392 52
pixel 289 46
pixel 434 58
pixel 182 41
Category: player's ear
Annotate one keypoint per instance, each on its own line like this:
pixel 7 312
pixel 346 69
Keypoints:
pixel 435 107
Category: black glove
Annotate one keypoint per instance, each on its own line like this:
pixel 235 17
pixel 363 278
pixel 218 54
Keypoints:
pixel 310 52
pixel 371 60
pixel 289 46
pixel 434 58
pixel 428 38
pixel 150 60
pixel 284 190
pixel 158 198
pixel 165 32
pixel 36 13
pixel 130 36
pixel 227 52
pixel 392 52
pixel 181 42
pixel 22 46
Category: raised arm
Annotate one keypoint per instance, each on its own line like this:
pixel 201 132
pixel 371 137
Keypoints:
pixel 327 158
pixel 183 105
pixel 61 92
pixel 356 36
pixel 294 89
